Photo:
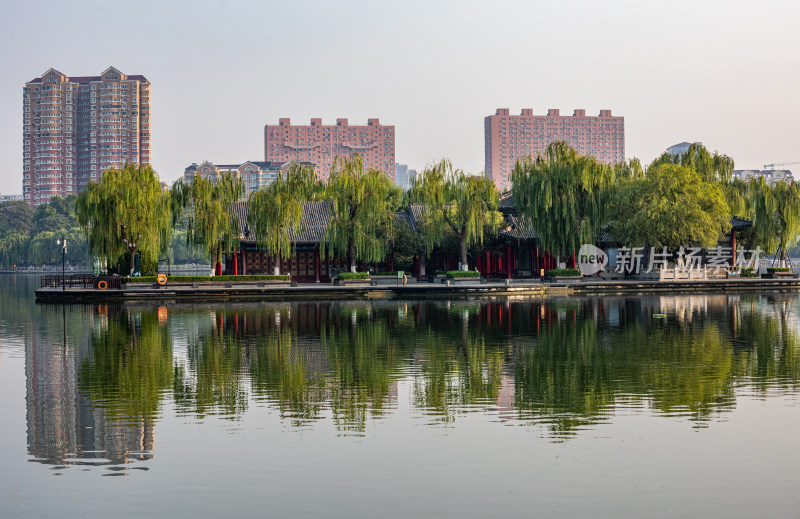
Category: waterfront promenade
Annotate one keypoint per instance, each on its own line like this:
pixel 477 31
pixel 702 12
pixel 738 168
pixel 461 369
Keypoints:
pixel 231 290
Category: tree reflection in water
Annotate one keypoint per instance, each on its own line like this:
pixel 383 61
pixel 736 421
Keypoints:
pixel 560 364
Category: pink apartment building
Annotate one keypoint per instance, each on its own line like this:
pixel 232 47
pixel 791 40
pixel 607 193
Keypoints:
pixel 76 127
pixel 509 137
pixel 319 144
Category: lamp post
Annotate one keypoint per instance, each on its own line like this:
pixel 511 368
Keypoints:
pixel 63 243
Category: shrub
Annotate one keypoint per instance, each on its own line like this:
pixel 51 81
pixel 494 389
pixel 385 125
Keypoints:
pixel 778 269
pixel 563 272
pixel 197 279
pixel 354 275
pixel 463 274
pixel 749 273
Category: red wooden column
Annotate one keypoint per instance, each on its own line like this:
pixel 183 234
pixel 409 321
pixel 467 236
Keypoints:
pixel 316 264
pixel 235 262
pixel 733 248
pixel 508 260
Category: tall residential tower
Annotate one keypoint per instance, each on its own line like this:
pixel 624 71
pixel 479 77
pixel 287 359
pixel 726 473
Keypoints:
pixel 76 127
pixel 509 137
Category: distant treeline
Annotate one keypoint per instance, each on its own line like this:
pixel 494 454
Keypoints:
pixel 29 236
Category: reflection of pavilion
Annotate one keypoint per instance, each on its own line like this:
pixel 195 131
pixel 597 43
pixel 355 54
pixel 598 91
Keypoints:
pixel 64 426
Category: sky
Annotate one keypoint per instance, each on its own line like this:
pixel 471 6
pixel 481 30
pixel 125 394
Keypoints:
pixel 722 72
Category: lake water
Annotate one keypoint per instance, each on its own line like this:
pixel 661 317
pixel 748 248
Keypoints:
pixel 495 407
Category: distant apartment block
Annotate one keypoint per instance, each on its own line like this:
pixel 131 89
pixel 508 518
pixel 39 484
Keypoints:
pixel 10 198
pixel 770 176
pixel 404 176
pixel 319 144
pixel 76 127
pixel 255 175
pixel 509 137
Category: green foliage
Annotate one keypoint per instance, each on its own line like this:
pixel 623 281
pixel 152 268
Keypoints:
pixel 711 167
pixel 13 249
pixel 778 269
pixel 276 212
pixel 749 273
pixel 15 217
pixel 363 222
pixel 775 210
pixel 563 272
pixel 564 195
pixel 405 243
pixel 210 225
pixel 56 215
pixel 215 279
pixel 354 275
pixel 670 207
pixel 126 211
pixel 463 274
pixel 453 201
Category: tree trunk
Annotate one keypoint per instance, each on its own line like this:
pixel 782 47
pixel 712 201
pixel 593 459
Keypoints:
pixel 133 259
pixel 463 246
pixel 351 255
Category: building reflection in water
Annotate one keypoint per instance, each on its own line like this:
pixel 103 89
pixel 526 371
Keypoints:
pixel 562 365
pixel 66 426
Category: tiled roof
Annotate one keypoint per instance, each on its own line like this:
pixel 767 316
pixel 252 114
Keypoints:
pixel 737 224
pixel 417 213
pixel 506 200
pixel 89 79
pixel 518 229
pixel 317 215
pixel 405 216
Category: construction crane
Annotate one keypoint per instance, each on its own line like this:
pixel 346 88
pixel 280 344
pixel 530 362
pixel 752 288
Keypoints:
pixel 779 164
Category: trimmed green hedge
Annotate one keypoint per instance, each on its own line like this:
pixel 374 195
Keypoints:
pixel 749 273
pixel 563 272
pixel 778 269
pixel 354 275
pixel 463 274
pixel 196 279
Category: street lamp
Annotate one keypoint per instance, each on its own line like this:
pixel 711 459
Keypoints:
pixel 63 243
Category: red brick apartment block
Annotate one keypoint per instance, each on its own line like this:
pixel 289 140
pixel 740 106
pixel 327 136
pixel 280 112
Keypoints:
pixel 509 137
pixel 319 144
pixel 75 127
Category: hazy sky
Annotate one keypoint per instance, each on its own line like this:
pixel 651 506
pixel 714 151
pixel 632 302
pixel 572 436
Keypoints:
pixel 726 73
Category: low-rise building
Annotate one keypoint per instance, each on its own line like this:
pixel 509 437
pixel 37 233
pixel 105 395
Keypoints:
pixel 770 176
pixel 255 175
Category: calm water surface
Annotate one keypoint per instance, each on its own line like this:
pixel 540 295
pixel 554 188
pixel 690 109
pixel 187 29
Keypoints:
pixel 503 407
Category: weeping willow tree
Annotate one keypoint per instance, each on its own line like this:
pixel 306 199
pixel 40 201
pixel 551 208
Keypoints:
pixel 564 196
pixel 13 249
pixel 126 211
pixel 454 201
pixel 363 223
pixel 712 167
pixel 277 212
pixel 670 207
pixel 211 225
pixel 775 210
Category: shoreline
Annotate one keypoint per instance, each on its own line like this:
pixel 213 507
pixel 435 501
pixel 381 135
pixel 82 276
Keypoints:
pixel 313 291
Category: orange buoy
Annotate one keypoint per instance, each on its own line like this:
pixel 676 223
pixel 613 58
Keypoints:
pixel 162 279
pixel 102 285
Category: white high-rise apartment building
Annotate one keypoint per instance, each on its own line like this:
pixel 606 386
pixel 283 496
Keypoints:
pixel 76 127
